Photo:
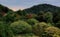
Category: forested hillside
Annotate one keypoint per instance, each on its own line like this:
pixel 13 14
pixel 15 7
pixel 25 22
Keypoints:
pixel 41 20
pixel 44 8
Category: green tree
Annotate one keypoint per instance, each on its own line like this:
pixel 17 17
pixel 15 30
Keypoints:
pixel 22 13
pixel 32 21
pixel 48 16
pixel 57 24
pixel 5 30
pixel 9 17
pixel 19 12
pixel 52 31
pixel 39 29
pixel 21 27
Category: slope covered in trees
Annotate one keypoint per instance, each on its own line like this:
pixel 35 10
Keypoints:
pixel 4 9
pixel 41 20
pixel 44 8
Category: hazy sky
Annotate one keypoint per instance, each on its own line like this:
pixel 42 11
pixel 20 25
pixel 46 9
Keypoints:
pixel 22 4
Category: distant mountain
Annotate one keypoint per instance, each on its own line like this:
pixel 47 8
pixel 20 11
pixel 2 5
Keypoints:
pixel 43 7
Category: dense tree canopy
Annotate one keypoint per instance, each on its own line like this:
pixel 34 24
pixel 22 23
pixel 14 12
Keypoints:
pixel 42 20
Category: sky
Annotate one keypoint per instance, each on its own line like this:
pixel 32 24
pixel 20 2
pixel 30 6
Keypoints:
pixel 23 4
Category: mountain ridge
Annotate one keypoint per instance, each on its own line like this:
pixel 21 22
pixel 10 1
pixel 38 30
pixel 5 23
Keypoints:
pixel 43 7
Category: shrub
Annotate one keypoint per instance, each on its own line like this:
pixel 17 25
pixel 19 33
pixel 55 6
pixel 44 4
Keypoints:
pixel 27 35
pixel 48 16
pixel 56 35
pixel 29 16
pixel 9 17
pixel 21 27
pixel 5 30
pixel 57 24
pixel 53 31
pixel 32 21
pixel 39 28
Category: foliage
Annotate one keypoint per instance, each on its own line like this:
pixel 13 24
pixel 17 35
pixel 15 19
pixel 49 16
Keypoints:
pixel 20 12
pixel 29 16
pixel 21 27
pixel 41 16
pixel 32 21
pixel 43 29
pixel 27 35
pixel 5 30
pixel 39 29
pixel 41 20
pixel 45 16
pixel 9 17
pixel 48 16
pixel 4 9
pixel 53 31
pixel 57 24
